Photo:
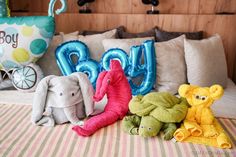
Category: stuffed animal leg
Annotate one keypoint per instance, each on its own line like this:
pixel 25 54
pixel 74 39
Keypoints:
pixel 193 128
pixel 181 134
pixel 223 141
pixel 130 124
pixel 169 130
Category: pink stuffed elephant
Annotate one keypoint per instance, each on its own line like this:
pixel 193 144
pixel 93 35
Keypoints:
pixel 115 84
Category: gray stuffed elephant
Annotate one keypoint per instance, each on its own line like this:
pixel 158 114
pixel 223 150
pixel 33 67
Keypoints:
pixel 61 99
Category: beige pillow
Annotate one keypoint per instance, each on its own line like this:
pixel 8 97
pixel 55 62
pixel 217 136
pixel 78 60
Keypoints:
pixel 124 44
pixel 206 62
pixel 69 36
pixel 170 65
pixel 94 42
pixel 48 61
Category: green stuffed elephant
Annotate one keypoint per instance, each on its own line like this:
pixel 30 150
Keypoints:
pixel 154 112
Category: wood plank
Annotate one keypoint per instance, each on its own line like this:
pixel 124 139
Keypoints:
pixel 234 76
pixel 136 6
pixel 20 6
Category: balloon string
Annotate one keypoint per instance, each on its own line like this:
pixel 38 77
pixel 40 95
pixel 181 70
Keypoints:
pixel 58 11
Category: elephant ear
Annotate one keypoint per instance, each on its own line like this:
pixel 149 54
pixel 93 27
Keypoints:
pixel 39 101
pixel 184 90
pixel 216 91
pixel 87 91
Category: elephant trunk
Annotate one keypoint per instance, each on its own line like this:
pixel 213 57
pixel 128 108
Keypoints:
pixel 71 114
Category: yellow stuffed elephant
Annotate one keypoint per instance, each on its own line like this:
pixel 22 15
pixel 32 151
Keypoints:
pixel 200 121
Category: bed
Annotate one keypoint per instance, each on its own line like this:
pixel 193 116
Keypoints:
pixel 18 137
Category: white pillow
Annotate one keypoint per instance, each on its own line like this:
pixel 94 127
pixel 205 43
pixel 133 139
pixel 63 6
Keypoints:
pixel 48 62
pixel 170 65
pixel 226 106
pixel 94 42
pixel 124 44
pixel 69 36
pixel 206 62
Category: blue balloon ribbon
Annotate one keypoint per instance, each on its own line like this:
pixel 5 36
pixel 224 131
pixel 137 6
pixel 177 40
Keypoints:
pixel 58 11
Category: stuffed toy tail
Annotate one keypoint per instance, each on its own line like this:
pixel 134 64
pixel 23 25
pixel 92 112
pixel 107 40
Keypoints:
pixel 96 122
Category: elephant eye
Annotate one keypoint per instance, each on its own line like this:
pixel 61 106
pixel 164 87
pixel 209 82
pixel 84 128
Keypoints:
pixel 73 94
pixel 203 97
pixel 61 94
pixel 197 97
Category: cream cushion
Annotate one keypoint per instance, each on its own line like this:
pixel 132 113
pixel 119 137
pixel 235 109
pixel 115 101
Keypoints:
pixel 226 106
pixel 124 44
pixel 206 62
pixel 94 42
pixel 69 36
pixel 48 61
pixel 170 65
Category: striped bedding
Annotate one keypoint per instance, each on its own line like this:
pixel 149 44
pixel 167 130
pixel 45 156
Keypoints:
pixel 18 137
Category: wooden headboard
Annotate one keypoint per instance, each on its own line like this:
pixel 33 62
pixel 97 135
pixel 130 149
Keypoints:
pixel 188 15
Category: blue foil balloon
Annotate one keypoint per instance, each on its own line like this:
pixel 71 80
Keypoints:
pixel 117 54
pixel 91 68
pixel 135 60
pixel 64 57
pixel 147 70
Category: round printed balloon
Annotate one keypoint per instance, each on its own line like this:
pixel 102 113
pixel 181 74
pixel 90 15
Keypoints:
pixel 23 40
pixel 27 78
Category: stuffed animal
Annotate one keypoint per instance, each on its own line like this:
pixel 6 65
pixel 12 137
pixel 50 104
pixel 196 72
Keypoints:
pixel 115 84
pixel 200 121
pixel 156 111
pixel 60 99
